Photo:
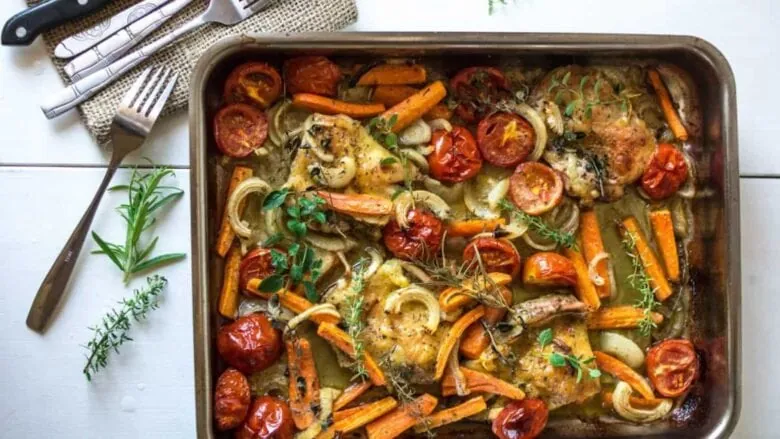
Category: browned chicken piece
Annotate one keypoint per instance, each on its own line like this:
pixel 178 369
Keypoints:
pixel 606 145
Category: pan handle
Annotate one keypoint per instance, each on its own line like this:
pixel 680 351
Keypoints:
pixel 24 27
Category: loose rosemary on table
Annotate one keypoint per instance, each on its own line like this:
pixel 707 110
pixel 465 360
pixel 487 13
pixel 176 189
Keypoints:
pixel 145 197
pixel 113 331
pixel 640 281
pixel 536 224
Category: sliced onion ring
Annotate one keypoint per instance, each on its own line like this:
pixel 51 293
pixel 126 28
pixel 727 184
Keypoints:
pixel 475 205
pixel 321 309
pixel 622 348
pixel 330 243
pixel 415 157
pixel 451 194
pixel 593 271
pixel 621 401
pixel 543 247
pixel 415 293
pixel 416 271
pixel 688 190
pixel 440 124
pixel 404 203
pixel 418 133
pixel 536 121
pixel 246 187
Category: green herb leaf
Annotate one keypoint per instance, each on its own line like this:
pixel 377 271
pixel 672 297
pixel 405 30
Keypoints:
pixel 272 283
pixel 296 273
pixel 320 217
pixel 294 212
pixel 391 140
pixel 557 360
pixel 311 291
pixel 275 199
pixel 157 261
pixel 594 373
pixel 272 240
pixel 278 261
pixel 387 161
pixel 565 80
pixel 570 109
pixel 293 249
pixel 297 227
pixel 545 337
pixel 393 120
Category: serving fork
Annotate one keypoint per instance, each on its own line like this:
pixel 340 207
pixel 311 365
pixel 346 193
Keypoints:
pixel 132 123
pixel 225 12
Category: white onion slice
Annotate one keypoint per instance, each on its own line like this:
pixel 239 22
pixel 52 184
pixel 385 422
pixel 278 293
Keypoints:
pixel 622 348
pixel 454 365
pixel 593 269
pixel 416 271
pixel 621 401
pixel 553 117
pixel 330 243
pixel 415 157
pixel 320 309
pixel 440 124
pixel 415 293
pixel 246 187
pixel 498 193
pixel 543 247
pixel 533 117
pixel 451 194
pixel 404 202
pixel 418 133
pixel 376 262
pixel 475 205
pixel 689 188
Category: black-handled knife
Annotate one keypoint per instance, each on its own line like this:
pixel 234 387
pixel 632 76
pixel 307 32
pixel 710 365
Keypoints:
pixel 24 27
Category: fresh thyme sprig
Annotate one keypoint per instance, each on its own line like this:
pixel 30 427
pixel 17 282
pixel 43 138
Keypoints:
pixel 622 96
pixel 536 224
pixel 146 196
pixel 354 318
pixel 556 359
pixel 112 332
pixel 640 281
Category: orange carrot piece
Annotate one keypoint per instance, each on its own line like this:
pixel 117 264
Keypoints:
pixel 476 339
pixel 228 297
pixel 636 402
pixel 663 229
pixel 392 94
pixel 619 317
pixel 303 399
pixel 401 419
pixel 360 418
pixel 226 233
pixel 670 113
pixel 439 111
pixel 480 383
pixel 325 105
pixel 453 298
pixel 452 337
pixel 341 340
pixel 592 246
pixel 351 393
pixel 415 106
pixel 623 372
pixel 290 301
pixel 473 227
pixel 584 289
pixel 345 413
pixel 360 204
pixel 653 268
pixel 394 74
pixel 453 414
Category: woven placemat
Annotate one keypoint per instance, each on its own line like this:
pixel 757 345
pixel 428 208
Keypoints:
pixel 281 16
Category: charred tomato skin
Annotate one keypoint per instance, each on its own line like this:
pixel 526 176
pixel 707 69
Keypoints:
pixel 672 366
pixel 665 173
pixel 254 82
pixel 312 74
pixel 269 418
pixel 240 129
pixel 256 264
pixel 250 344
pixel 455 157
pixel 505 139
pixel 476 88
pixel 422 238
pixel 498 255
pixel 548 269
pixel 231 399
pixel 524 419
pixel 535 188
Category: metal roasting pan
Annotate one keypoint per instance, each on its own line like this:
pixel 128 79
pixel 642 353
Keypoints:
pixel 712 409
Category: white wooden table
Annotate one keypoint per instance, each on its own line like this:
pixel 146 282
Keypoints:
pixel 49 170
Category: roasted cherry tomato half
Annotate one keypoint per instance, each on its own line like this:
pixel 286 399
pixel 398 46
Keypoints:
pixel 253 83
pixel 312 74
pixel 476 89
pixel 250 344
pixel 535 188
pixel 240 129
pixel 455 157
pixel 420 240
pixel 269 418
pixel 672 366
pixel 255 265
pixel 523 419
pixel 548 269
pixel 665 173
pixel 505 139
pixel 231 399
pixel 497 255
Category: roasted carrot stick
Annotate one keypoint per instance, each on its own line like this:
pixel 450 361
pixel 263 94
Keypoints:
pixel 345 413
pixel 623 372
pixel 228 297
pixel 453 298
pixel 394 74
pixel 476 339
pixel 401 419
pixel 453 414
pixel 360 204
pixel 341 340
pixel 653 269
pixel 439 111
pixel 226 234
pixel 304 384
pixel 670 113
pixel 592 246
pixel 473 227
pixel 291 301
pixel 452 337
pixel 413 107
pixel 351 393
pixel 663 229
pixel 368 413
pixel 619 317
pixel 480 383
pixel 636 402
pixel 325 105
pixel 392 94
pixel 584 289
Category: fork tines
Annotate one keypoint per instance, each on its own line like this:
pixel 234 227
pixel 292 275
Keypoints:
pixel 149 93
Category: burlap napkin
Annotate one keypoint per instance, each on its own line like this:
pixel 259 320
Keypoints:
pixel 281 16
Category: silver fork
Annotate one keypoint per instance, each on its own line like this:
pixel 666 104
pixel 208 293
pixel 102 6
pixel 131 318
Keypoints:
pixel 225 12
pixel 133 121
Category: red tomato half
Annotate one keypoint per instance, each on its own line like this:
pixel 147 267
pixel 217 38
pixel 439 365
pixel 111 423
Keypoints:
pixel 250 344
pixel 505 139
pixel 498 255
pixel 666 172
pixel 240 129
pixel 312 74
pixel 535 188
pixel 255 265
pixel 455 157
pixel 476 89
pixel 253 82
pixel 422 238
pixel 268 418
pixel 672 366
pixel 523 419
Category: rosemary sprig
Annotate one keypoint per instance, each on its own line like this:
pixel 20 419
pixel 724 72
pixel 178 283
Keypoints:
pixel 145 197
pixel 640 281
pixel 112 332
pixel 354 318
pixel 536 224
